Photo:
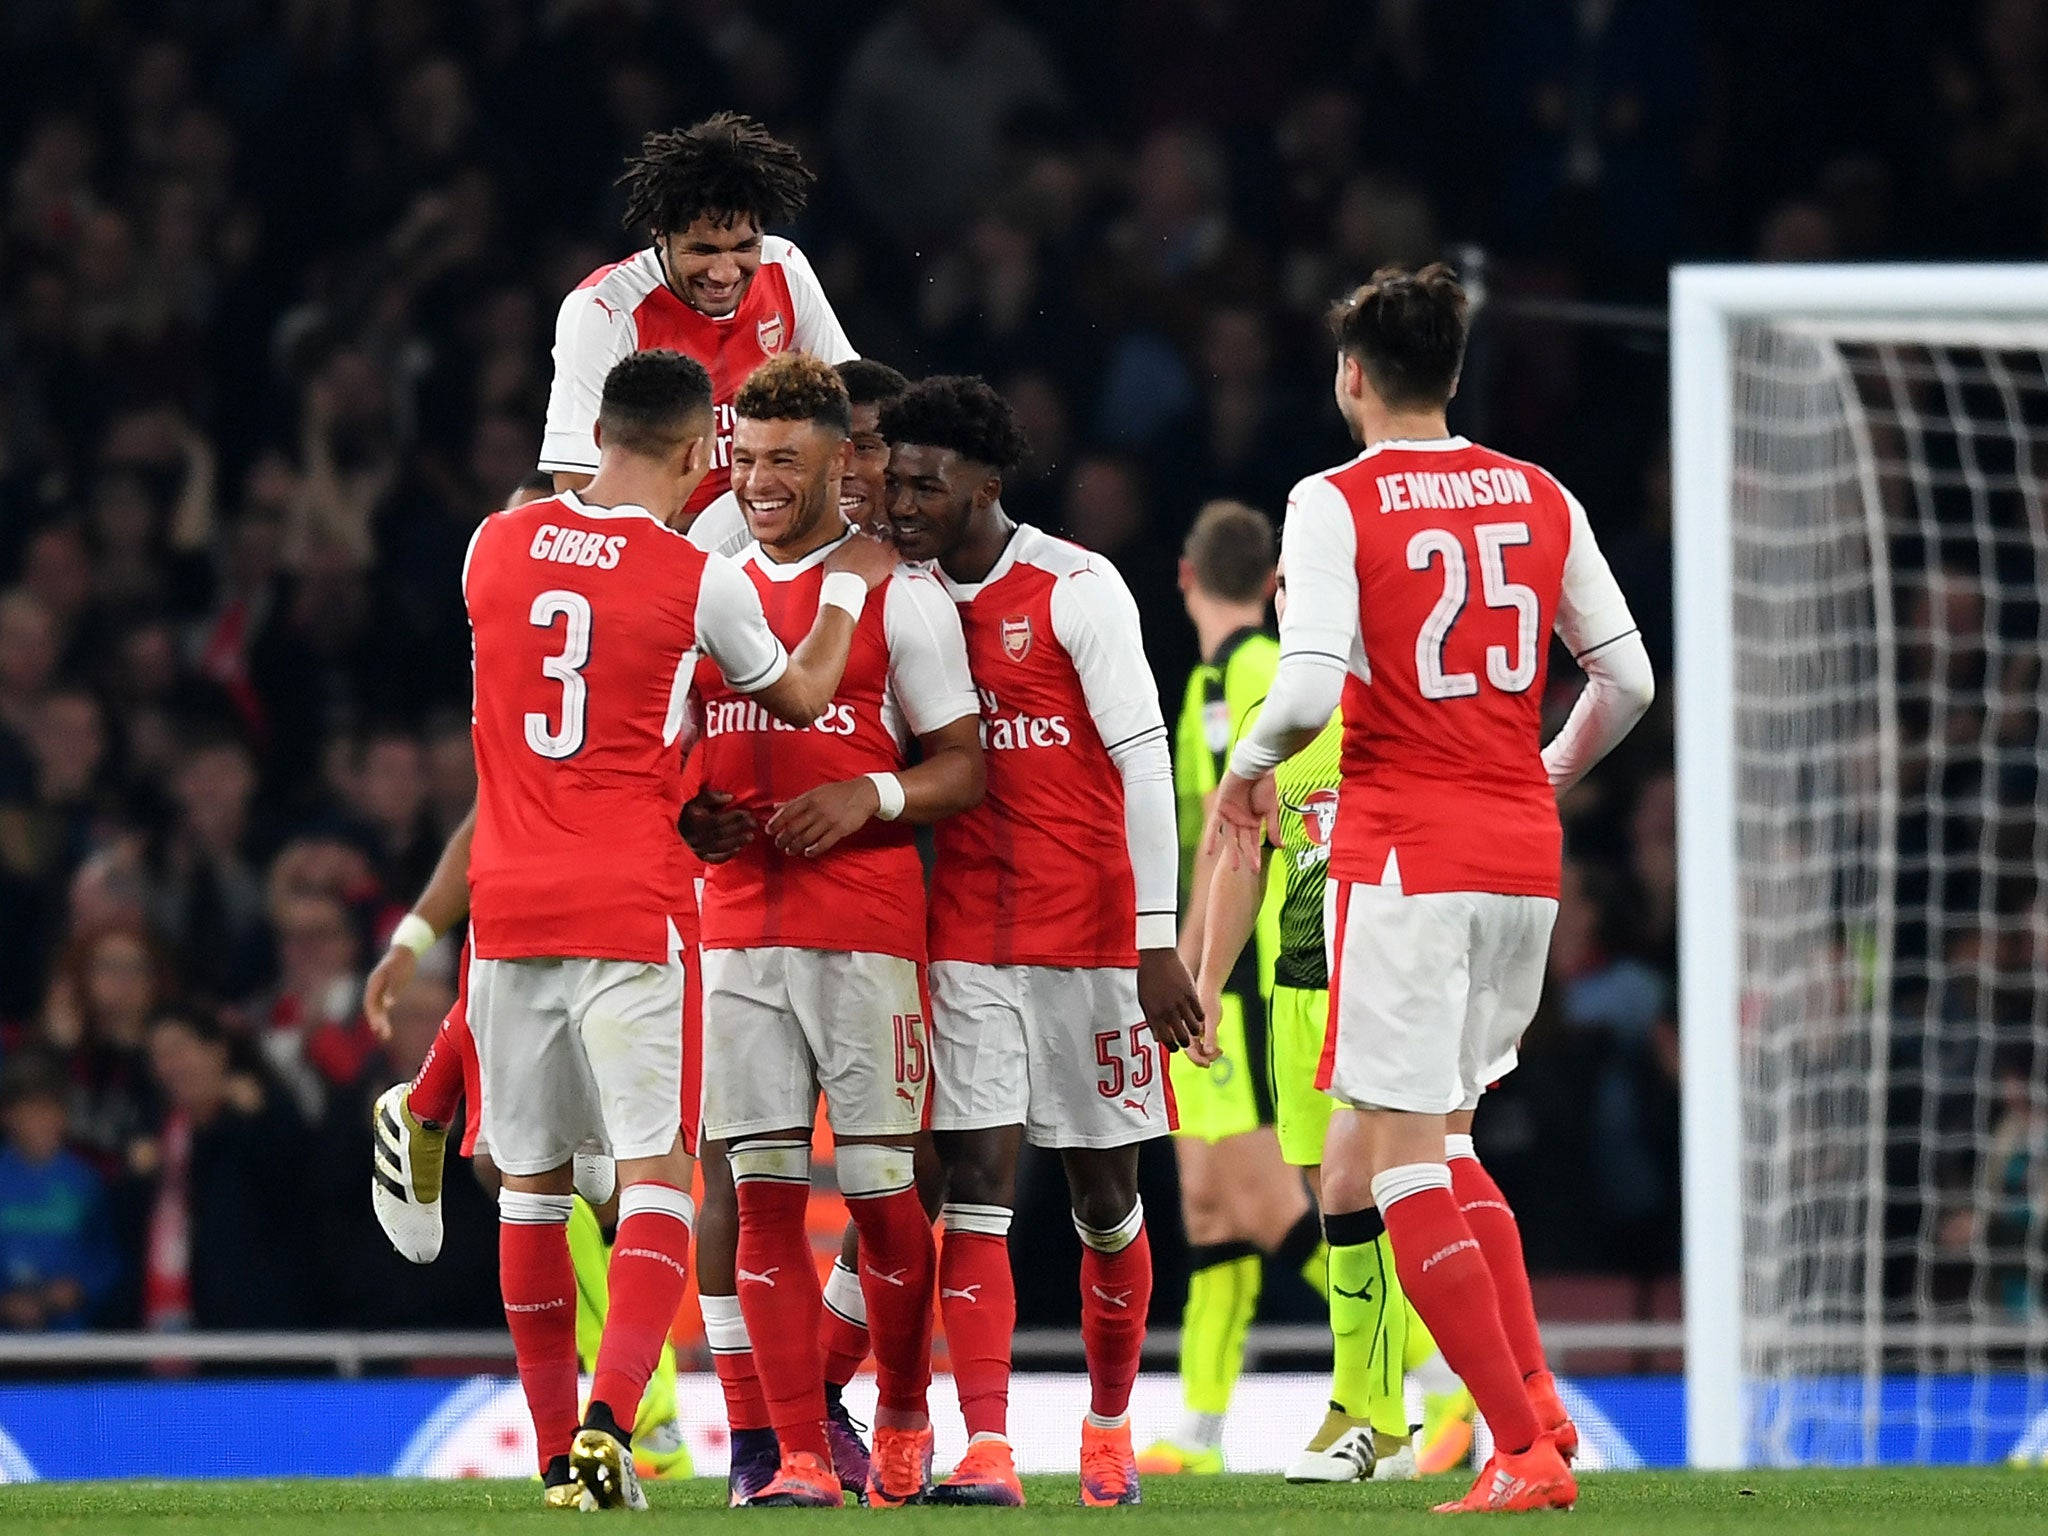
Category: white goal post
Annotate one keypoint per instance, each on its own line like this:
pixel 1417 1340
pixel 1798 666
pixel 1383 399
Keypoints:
pixel 1799 467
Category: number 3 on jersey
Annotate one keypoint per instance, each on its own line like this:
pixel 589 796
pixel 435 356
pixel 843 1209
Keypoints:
pixel 566 669
pixel 1494 539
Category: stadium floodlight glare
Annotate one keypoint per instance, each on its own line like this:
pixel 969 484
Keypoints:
pixel 1860 468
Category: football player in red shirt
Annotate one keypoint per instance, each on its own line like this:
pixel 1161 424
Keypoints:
pixel 589 616
pixel 1425 579
pixel 814 939
pixel 712 285
pixel 1052 925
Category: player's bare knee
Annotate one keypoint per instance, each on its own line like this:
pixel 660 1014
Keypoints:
pixel 981 1167
pixel 1103 1185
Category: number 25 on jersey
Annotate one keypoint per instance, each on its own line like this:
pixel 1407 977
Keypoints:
pixel 1431 546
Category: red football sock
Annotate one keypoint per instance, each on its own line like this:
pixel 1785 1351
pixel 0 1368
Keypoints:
pixel 898 1267
pixel 437 1086
pixel 1492 1221
pixel 1116 1290
pixel 1445 1274
pixel 779 1292
pixel 844 1333
pixel 649 1268
pixel 539 1288
pixel 732 1356
pixel 978 1301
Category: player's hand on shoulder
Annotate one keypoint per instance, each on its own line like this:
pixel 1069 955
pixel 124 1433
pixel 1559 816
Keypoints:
pixel 1167 994
pixel 393 974
pixel 714 832
pixel 869 556
pixel 818 820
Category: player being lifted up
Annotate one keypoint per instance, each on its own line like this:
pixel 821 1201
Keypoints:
pixel 1424 580
pixel 589 615
pixel 712 285
pixel 1052 926
pixel 814 938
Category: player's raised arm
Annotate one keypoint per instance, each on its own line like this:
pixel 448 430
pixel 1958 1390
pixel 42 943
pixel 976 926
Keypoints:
pixel 1318 645
pixel 929 680
pixel 591 335
pixel 1096 620
pixel 1595 624
pixel 443 904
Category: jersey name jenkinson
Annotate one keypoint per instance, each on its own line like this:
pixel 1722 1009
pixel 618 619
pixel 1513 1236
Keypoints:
pixel 1415 489
pixel 1002 732
pixel 725 716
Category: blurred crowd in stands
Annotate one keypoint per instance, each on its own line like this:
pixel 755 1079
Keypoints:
pixel 277 282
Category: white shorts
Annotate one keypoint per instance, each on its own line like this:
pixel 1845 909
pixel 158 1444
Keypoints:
pixel 1063 1052
pixel 782 1025
pixel 1429 994
pixel 575 1055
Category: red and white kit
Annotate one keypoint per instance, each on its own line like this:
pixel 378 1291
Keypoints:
pixel 628 307
pixel 1431 575
pixel 589 624
pixel 1043 894
pixel 814 968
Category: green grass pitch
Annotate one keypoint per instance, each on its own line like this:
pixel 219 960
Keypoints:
pixel 1980 1502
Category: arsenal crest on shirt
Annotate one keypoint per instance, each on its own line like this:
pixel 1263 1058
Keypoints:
pixel 1017 637
pixel 771 335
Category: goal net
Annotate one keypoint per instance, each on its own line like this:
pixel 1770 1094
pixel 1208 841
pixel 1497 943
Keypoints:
pixel 1882 503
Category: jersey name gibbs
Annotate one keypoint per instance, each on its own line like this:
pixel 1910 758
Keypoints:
pixel 1460 560
pixel 1040 872
pixel 866 894
pixel 582 618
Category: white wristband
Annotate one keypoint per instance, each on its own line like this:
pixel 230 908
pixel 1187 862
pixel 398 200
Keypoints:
pixel 414 933
pixel 843 589
pixel 890 789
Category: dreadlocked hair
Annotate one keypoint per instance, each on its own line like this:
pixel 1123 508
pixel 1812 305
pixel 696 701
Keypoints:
pixel 796 387
pixel 958 412
pixel 728 167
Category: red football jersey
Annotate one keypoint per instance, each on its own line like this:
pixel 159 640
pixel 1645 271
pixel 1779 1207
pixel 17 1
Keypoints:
pixel 1040 872
pixel 907 675
pixel 628 307
pixel 587 624
pixel 1459 554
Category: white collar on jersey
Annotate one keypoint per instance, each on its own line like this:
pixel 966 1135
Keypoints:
pixel 968 591
pixel 576 503
pixel 1418 445
pixel 776 570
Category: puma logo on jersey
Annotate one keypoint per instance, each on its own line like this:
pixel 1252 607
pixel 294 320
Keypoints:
pixel 1363 1293
pixel 576 546
pixel 967 1293
pixel 766 1277
pixel 1120 1299
pixel 895 1279
pixel 1134 1104
pixel 906 1095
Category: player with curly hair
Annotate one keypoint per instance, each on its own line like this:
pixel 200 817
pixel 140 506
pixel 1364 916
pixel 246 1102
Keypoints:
pixel 712 284
pixel 1055 978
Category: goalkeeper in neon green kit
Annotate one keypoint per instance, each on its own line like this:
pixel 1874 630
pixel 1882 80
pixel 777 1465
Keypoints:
pixel 1378 1338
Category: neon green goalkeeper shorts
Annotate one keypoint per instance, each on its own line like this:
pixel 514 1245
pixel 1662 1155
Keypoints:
pixel 1232 1095
pixel 1301 1110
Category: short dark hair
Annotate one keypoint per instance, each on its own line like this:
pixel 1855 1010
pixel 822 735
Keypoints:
pixel 538 481
pixel 1232 549
pixel 962 413
pixel 869 382
pixel 1407 331
pixel 796 387
pixel 728 166
pixel 651 399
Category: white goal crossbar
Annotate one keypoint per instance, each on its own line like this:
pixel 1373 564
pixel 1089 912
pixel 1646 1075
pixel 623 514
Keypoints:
pixel 1992 305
